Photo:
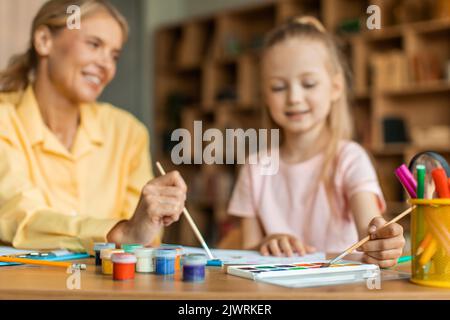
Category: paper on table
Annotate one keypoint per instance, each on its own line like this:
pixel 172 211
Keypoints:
pixel 8 251
pixel 254 257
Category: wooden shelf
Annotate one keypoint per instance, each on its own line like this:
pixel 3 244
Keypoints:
pixel 398 31
pixel 387 33
pixel 430 27
pixel 390 150
pixel 420 88
pixel 362 95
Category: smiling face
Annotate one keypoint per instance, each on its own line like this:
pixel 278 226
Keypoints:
pixel 298 84
pixel 80 63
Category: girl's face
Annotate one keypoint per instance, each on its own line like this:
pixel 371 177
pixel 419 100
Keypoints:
pixel 299 88
pixel 82 62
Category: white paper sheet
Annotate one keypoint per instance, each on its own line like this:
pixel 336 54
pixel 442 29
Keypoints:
pixel 254 257
pixel 6 251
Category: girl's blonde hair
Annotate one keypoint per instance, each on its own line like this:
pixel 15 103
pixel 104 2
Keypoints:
pixel 52 14
pixel 339 120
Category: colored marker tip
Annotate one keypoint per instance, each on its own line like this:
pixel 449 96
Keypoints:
pixel 214 263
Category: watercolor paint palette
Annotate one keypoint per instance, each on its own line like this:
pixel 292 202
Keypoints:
pixel 308 274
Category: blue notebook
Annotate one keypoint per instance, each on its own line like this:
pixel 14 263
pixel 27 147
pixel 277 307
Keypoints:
pixel 56 255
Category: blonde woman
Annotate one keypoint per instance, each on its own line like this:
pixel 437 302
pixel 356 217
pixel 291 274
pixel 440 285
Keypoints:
pixel 326 194
pixel 74 171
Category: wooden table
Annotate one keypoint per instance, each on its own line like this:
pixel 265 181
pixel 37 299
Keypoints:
pixel 35 282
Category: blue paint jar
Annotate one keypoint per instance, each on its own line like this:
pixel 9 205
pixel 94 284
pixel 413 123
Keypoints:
pixel 194 267
pixel 165 261
pixel 179 250
pixel 98 247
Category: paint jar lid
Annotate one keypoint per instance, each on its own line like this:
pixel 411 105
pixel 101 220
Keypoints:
pixel 107 253
pixel 196 259
pixel 166 252
pixel 130 247
pixel 103 245
pixel 178 248
pixel 144 252
pixel 123 258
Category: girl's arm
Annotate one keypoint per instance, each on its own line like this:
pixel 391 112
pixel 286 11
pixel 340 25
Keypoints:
pixel 364 207
pixel 386 244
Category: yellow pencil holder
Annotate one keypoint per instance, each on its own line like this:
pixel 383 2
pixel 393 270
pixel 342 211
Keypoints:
pixel 430 242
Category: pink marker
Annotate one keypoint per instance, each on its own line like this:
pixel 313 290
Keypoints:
pixel 409 176
pixel 407 180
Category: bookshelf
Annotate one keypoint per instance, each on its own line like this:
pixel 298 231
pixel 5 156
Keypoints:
pixel 207 68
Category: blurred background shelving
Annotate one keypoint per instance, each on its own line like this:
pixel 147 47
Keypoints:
pixel 207 68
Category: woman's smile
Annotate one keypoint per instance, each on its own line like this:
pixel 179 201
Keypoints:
pixel 95 80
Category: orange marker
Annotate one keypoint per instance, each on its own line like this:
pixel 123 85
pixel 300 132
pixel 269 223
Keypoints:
pixel 428 253
pixel 441 182
pixel 424 244
pixel 42 262
pixel 449 183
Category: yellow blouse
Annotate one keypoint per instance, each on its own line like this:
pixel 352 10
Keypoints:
pixel 51 197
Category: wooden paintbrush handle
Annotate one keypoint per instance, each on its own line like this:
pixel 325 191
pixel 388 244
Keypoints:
pixel 364 240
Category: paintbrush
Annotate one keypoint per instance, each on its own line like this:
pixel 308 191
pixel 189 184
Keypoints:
pixel 212 261
pixel 364 240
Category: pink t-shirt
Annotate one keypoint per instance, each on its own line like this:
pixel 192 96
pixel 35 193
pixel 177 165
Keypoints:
pixel 290 202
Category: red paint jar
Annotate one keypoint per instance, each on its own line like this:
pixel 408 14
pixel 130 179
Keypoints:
pixel 124 265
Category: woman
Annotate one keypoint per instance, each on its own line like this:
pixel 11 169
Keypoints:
pixel 74 171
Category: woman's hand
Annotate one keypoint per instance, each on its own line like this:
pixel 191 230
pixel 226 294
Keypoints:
pixel 161 203
pixel 284 244
pixel 386 244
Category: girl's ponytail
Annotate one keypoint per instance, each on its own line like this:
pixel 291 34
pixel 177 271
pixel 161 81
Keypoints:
pixel 312 21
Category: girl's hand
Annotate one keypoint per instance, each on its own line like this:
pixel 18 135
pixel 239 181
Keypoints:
pixel 386 244
pixel 284 244
pixel 161 203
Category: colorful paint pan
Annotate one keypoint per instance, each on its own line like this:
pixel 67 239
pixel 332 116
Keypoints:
pixel 285 266
pixel 289 267
pixel 306 265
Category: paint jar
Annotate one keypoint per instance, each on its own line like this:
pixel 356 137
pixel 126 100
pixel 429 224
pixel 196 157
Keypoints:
pixel 178 257
pixel 124 265
pixel 105 256
pixel 145 260
pixel 131 247
pixel 99 246
pixel 165 261
pixel 430 242
pixel 194 267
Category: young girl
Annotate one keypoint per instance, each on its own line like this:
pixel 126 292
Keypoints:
pixel 325 194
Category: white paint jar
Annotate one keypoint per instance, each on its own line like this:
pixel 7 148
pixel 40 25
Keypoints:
pixel 145 260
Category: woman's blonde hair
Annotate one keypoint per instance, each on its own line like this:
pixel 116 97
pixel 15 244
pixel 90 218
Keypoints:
pixel 339 120
pixel 52 14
